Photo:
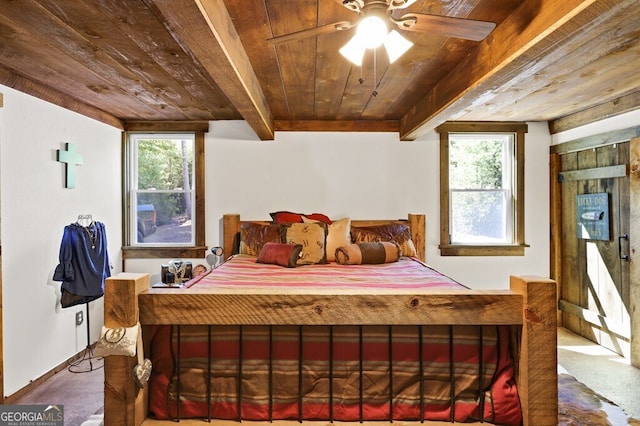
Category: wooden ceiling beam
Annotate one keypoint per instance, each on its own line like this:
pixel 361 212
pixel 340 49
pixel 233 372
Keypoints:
pixel 25 85
pixel 205 31
pixel 612 108
pixel 336 126
pixel 533 27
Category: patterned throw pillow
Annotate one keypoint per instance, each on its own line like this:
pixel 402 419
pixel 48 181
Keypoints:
pixel 368 253
pixel 253 236
pixel 312 237
pixel 286 255
pixel 394 232
pixel 338 235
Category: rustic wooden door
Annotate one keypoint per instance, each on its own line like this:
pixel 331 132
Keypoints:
pixel 594 281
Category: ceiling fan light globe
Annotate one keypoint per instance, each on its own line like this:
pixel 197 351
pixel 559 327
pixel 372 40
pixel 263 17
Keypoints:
pixel 372 31
pixel 354 50
pixel 396 45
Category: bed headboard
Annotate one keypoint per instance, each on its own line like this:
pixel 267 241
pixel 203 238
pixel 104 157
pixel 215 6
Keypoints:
pixel 231 224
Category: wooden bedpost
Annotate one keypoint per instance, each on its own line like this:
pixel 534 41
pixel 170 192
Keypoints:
pixel 417 224
pixel 124 402
pixel 538 365
pixel 230 227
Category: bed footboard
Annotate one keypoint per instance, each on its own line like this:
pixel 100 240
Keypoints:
pixel 537 374
pixel 535 352
pixel 124 402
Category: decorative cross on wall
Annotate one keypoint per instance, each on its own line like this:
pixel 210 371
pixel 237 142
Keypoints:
pixel 71 158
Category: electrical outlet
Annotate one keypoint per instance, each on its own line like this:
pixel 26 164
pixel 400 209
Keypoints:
pixel 79 318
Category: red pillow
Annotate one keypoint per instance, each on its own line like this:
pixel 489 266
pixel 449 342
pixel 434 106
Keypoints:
pixel 280 254
pixel 283 216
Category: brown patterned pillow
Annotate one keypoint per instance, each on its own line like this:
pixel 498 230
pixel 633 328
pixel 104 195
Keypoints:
pixel 398 233
pixel 338 235
pixel 368 253
pixel 253 236
pixel 312 237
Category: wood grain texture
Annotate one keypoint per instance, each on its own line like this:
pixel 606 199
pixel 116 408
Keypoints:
pixel 336 125
pixel 205 30
pixel 595 295
pixel 535 36
pixel 605 266
pixel 304 307
pixel 537 366
pixel 530 303
pixel 587 159
pixel 603 172
pixel 231 224
pixel 418 226
pixel 555 236
pixel 56 97
pixel 611 108
pixel 124 402
pixel 570 288
pixel 595 141
pixel 634 238
pixel 210 60
pixel 526 27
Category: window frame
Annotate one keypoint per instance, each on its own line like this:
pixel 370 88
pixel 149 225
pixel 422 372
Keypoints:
pixel 447 248
pixel 198 249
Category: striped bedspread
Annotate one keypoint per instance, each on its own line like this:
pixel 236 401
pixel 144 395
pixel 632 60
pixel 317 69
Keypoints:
pixel 341 373
pixel 408 273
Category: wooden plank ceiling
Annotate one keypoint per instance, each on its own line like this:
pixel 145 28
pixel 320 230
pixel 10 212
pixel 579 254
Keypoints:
pixel 567 62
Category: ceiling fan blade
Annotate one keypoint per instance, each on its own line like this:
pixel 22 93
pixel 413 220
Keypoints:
pixel 323 29
pixel 449 26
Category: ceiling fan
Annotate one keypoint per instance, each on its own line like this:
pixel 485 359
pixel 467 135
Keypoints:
pixel 372 28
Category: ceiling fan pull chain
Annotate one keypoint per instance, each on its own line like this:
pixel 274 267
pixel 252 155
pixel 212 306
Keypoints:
pixel 375 75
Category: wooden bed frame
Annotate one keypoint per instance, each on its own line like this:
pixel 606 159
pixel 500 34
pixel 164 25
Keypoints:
pixel 529 305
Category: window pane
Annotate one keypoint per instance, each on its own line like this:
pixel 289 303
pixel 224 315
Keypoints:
pixel 163 218
pixel 476 163
pixel 165 163
pixel 478 217
pixel 163 191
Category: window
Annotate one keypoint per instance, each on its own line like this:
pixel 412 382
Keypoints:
pixel 482 189
pixel 164 192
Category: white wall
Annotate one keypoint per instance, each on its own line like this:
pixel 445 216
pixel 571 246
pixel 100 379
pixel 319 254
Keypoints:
pixel 364 176
pixel 38 334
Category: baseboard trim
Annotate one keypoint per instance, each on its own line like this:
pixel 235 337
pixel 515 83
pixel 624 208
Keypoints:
pixel 20 393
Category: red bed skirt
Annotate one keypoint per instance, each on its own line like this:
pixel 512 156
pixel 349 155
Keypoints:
pixel 341 373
